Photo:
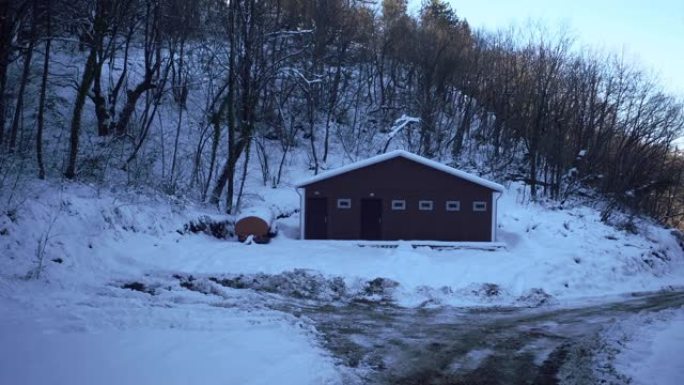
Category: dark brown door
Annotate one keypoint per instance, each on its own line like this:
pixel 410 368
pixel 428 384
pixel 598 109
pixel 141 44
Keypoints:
pixel 316 226
pixel 371 219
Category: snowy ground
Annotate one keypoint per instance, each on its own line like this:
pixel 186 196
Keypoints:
pixel 76 323
pixel 644 347
pixel 116 338
pixel 52 333
pixel 564 254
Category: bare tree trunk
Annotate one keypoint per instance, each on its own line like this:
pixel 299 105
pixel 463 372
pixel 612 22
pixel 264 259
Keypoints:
pixel 132 97
pixel 245 167
pixel 212 160
pixel 181 107
pixel 7 18
pixel 220 183
pixel 466 120
pixel 262 154
pixel 156 101
pixel 114 92
pixel 331 107
pixel 82 93
pixel 26 73
pixel 100 102
pixel 215 122
pixel 43 91
pixel 312 129
pixel 175 145
pixel 227 178
pixel 3 83
pixel 280 165
pixel 228 103
pixel 152 56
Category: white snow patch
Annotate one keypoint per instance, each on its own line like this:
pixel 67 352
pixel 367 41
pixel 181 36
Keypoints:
pixel 115 336
pixel 652 355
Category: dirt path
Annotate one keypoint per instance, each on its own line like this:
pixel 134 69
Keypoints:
pixel 472 346
pixel 387 344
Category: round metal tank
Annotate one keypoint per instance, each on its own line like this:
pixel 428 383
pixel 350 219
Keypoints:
pixel 255 222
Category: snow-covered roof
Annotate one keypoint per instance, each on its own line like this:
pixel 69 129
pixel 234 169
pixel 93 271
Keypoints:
pixel 410 156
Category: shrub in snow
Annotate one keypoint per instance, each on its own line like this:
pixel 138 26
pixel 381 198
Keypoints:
pixel 434 296
pixel 488 290
pixel 536 297
pixel 11 214
pixel 381 289
pixel 138 286
pixel 628 226
pixel 221 229
pixel 657 261
pixel 299 283
pixel 483 292
pixel 675 233
pixel 233 283
pixel 198 285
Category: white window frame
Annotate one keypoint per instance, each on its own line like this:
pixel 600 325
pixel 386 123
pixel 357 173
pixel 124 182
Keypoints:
pixel 482 204
pixel 344 203
pixel 427 202
pixel 448 207
pixel 398 204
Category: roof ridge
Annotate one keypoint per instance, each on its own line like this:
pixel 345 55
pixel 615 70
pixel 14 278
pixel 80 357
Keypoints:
pixel 405 154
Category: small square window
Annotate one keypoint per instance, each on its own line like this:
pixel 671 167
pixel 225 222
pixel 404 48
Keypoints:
pixel 425 205
pixel 453 205
pixel 398 205
pixel 479 206
pixel 344 203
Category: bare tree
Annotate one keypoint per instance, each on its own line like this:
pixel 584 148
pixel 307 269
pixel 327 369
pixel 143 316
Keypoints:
pixel 43 89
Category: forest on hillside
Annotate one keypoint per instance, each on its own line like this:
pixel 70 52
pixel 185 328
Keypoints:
pixel 183 96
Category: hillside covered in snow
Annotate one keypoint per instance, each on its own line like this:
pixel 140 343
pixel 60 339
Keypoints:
pixel 133 135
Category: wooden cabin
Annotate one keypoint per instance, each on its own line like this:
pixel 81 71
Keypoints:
pixel 399 196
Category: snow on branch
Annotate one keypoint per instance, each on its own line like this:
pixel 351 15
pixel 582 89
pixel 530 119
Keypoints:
pixel 297 73
pixel 399 125
pixel 290 33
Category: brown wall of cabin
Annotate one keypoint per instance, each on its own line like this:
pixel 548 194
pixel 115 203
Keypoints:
pixel 403 179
